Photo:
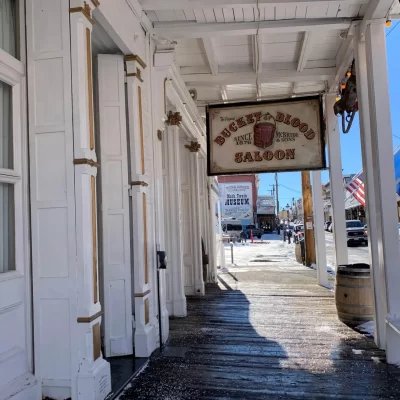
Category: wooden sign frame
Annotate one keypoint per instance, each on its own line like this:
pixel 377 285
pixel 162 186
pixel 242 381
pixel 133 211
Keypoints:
pixel 253 146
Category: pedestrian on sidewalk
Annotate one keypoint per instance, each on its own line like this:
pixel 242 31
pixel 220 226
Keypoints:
pixel 289 235
pixel 243 237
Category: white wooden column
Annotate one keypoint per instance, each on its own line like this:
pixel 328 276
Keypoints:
pixel 195 216
pixel 163 59
pixel 145 332
pixel 176 299
pixel 379 286
pixel 158 135
pixel 319 231
pixel 204 208
pixel 384 183
pixel 213 199
pixel 221 241
pixel 336 182
pixel 93 368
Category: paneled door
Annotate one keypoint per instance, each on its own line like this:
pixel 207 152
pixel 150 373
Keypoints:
pixel 115 257
pixel 15 301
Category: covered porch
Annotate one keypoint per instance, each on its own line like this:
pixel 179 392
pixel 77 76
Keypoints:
pixel 271 334
pixel 237 51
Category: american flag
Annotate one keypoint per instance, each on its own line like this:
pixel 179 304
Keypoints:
pixel 356 188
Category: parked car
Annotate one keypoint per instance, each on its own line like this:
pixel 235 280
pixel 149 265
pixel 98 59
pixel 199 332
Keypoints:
pixel 256 231
pixel 356 232
pixel 232 228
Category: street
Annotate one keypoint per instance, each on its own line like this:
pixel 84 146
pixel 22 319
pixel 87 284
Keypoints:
pixel 271 249
pixel 357 254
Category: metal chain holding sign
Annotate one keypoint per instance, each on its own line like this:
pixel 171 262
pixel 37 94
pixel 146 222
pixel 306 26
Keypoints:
pixel 347 105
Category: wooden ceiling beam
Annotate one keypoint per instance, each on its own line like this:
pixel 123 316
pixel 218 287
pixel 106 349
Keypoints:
pixel 305 50
pixel 377 9
pixel 310 74
pixel 343 60
pixel 154 5
pixel 224 94
pixel 211 56
pixel 257 53
pixel 187 30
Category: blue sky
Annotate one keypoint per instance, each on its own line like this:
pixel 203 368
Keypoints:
pixel 290 182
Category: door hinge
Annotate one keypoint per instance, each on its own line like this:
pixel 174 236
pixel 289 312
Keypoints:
pixel 130 192
pixel 133 322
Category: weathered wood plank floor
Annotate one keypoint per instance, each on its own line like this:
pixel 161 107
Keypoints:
pixel 266 335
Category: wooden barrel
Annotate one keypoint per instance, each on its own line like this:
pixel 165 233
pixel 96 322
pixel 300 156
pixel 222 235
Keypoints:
pixel 353 294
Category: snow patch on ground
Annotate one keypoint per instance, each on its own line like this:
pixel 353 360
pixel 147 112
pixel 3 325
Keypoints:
pixel 324 328
pixel 329 287
pixel 207 330
pixel 331 270
pixel 367 327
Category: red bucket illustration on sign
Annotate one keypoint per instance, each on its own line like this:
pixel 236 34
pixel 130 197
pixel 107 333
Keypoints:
pixel 264 132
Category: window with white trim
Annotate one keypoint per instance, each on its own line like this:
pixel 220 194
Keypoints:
pixel 11 73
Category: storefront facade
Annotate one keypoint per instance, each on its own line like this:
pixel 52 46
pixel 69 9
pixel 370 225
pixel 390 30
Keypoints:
pixel 102 162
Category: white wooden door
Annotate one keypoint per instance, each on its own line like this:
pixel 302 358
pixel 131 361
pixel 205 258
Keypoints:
pixel 14 292
pixel 114 205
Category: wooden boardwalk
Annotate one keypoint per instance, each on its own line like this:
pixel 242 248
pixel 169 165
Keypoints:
pixel 271 334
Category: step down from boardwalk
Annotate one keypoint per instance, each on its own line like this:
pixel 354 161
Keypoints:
pixel 123 370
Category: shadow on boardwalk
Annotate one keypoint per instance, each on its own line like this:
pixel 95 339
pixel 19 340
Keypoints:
pixel 265 342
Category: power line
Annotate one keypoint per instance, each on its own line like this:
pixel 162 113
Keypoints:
pixel 392 29
pixel 288 188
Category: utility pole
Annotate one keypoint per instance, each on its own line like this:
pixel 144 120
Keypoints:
pixel 293 209
pixel 308 219
pixel 277 196
pixel 273 190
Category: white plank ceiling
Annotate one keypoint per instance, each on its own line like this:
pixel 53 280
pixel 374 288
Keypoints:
pixel 232 50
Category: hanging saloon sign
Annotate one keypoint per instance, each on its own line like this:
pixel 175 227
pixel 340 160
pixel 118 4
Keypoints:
pixel 284 135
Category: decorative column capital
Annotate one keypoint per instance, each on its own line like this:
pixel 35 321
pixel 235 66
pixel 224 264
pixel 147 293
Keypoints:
pixel 173 118
pixel 135 58
pixel 165 45
pixel 85 9
pixel 193 147
pixel 134 66
pixel 164 55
